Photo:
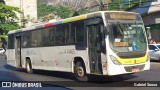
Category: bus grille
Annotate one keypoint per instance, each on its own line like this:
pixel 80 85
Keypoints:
pixel 131 55
pixel 129 68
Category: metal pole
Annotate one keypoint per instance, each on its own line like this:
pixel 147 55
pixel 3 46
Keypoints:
pixel 129 4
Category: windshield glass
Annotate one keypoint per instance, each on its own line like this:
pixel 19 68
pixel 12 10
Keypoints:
pixel 127 37
pixel 158 46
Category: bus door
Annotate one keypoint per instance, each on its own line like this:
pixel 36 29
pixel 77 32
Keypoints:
pixel 94 48
pixel 18 51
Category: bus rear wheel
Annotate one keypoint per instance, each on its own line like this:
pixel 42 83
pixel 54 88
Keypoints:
pixel 80 73
pixel 29 66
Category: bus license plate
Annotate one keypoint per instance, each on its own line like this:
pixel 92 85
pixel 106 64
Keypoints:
pixel 135 70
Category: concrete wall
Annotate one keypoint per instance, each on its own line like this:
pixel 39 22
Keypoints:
pixel 29 7
pixel 152 18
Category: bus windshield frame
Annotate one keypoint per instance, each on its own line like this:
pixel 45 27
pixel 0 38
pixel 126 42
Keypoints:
pixel 131 38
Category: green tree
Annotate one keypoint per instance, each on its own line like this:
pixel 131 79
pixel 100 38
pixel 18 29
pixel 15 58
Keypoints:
pixel 7 19
pixel 44 9
pixel 47 12
pixel 63 12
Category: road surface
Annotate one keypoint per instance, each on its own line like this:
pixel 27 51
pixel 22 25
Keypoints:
pixel 65 81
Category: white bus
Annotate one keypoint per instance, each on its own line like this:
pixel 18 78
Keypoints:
pixel 101 43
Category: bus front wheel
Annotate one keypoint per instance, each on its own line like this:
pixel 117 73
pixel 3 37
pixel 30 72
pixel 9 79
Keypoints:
pixel 80 73
pixel 29 66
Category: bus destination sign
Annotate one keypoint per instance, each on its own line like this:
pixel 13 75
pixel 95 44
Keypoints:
pixel 122 16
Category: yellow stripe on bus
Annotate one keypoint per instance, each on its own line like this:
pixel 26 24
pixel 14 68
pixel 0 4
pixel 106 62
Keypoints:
pixel 130 61
pixel 74 19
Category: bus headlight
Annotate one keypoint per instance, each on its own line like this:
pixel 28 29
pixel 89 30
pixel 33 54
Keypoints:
pixel 114 60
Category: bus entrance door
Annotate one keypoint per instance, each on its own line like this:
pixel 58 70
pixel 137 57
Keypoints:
pixel 18 51
pixel 94 49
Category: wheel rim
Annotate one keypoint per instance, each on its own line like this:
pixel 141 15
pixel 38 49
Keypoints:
pixel 80 72
pixel 28 67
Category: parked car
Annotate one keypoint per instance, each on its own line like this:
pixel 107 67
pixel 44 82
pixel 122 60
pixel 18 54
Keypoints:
pixel 154 51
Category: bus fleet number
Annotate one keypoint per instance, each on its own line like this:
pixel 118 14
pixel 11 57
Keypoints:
pixel 69 51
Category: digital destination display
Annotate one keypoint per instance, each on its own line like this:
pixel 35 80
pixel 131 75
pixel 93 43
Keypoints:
pixel 123 16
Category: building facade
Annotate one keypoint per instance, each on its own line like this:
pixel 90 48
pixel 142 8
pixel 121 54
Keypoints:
pixel 28 9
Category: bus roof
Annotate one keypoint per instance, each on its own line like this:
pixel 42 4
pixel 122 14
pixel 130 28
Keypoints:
pixel 67 20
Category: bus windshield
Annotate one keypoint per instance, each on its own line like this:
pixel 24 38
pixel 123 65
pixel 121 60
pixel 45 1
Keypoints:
pixel 127 37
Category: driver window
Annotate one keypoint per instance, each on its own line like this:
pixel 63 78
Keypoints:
pixel 118 35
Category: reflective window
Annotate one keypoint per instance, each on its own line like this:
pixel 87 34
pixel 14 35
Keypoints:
pixel 11 41
pixel 26 39
pixel 36 38
pixel 77 32
pixel 48 36
pixel 60 35
pixel 127 37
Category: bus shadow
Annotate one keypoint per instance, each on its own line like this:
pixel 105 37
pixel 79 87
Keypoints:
pixel 58 74
pixel 9 67
pixel 70 76
pixel 66 79
pixel 92 78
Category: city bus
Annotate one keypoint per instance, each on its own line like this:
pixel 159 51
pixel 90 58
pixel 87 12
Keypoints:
pixel 104 43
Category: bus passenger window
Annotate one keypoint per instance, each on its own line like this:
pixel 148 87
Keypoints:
pixel 80 32
pixel 60 35
pixel 26 39
pixel 48 36
pixel 72 34
pixel 11 41
pixel 36 38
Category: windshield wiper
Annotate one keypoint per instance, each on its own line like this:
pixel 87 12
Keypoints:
pixel 128 32
pixel 122 30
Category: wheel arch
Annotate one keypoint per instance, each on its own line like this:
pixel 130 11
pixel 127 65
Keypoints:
pixel 79 59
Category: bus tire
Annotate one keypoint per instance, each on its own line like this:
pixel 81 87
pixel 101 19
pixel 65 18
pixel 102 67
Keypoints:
pixel 80 72
pixel 29 66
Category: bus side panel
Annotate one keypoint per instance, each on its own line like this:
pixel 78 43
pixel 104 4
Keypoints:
pixel 11 57
pixel 34 54
pixel 65 57
pixel 58 58
pixel 50 62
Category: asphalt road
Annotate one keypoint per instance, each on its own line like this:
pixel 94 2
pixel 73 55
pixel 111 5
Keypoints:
pixel 65 81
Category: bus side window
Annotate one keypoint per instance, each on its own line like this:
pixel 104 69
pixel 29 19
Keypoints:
pixel 72 34
pixel 77 32
pixel 26 39
pixel 52 36
pixel 45 36
pixel 36 38
pixel 80 32
pixel 66 29
pixel 10 41
pixel 48 36
pixel 60 35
